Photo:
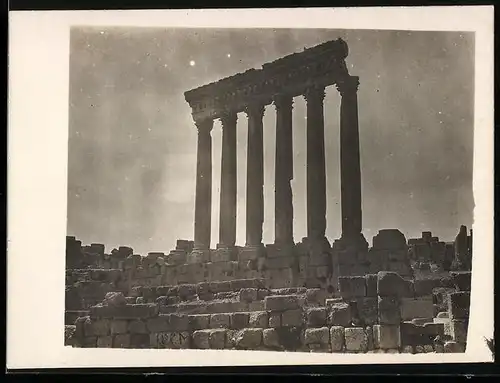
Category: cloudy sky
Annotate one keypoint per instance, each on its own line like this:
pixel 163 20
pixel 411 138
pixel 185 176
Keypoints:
pixel 132 141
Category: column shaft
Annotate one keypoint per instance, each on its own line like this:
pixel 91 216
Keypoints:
pixel 350 168
pixel 255 176
pixel 227 222
pixel 284 171
pixel 203 199
pixel 316 176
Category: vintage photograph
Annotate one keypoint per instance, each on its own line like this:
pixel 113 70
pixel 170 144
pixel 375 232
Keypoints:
pixel 306 190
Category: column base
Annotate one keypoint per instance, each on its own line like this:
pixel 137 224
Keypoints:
pixel 351 243
pixel 316 245
pixel 224 253
pixel 251 252
pixel 280 250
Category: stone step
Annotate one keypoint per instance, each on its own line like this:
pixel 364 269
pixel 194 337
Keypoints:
pixel 212 307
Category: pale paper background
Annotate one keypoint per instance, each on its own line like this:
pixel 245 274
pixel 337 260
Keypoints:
pixel 37 179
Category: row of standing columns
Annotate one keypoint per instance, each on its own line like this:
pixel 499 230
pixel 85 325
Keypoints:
pixel 316 172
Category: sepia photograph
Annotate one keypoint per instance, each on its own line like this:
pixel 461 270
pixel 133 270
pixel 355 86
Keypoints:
pixel 288 190
pixel 282 189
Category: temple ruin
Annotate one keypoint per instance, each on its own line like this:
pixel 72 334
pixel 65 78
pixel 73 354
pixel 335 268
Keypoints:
pixel 398 296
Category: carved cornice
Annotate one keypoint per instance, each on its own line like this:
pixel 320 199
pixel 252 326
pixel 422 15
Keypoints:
pixel 314 93
pixel 323 64
pixel 348 85
pixel 283 101
pixel 204 126
pixel 255 110
pixel 229 119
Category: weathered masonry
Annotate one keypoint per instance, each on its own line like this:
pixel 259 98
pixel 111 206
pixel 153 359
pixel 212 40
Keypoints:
pixel 305 74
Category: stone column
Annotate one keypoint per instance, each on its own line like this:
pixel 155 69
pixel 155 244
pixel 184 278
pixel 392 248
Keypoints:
pixel 350 169
pixel 227 222
pixel 283 220
pixel 255 177
pixel 316 178
pixel 203 204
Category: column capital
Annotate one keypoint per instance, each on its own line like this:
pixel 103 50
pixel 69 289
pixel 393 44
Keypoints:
pixel 283 101
pixel 204 126
pixel 228 119
pixel 348 85
pixel 314 92
pixel 256 110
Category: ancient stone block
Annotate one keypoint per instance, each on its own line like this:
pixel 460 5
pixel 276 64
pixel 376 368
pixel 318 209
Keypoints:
pixel 281 302
pixel 137 311
pixel 458 305
pixel 337 338
pixel 121 341
pixel 259 319
pixel 256 306
pixel 219 287
pixel 137 327
pixel 454 347
pixel 388 310
pixel 339 314
pixel 180 340
pixel 178 322
pixel 199 321
pixel 407 350
pixel 317 335
pixel 356 339
pixel 386 336
pixel 461 280
pixel 240 320
pixel 367 310
pixel 248 295
pixel 249 338
pixel 390 284
pixel 371 285
pixel 274 320
pixel 416 308
pixel 217 339
pixel 114 299
pixel 220 320
pixel 270 338
pixel 292 318
pixel 201 339
pixel 351 287
pixel 369 335
pixel 316 316
pixel 423 287
pixel 389 239
pixel 316 296
pixel 458 330
pixel 97 327
pixel 139 341
pixel 105 341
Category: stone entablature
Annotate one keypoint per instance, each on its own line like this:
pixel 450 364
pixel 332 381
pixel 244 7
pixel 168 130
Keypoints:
pixel 321 65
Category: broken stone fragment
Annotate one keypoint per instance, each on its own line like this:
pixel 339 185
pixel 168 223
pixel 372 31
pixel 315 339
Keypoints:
pixel 114 299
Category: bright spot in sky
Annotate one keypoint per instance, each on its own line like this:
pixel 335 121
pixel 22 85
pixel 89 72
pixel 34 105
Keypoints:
pixel 229 55
pixel 192 63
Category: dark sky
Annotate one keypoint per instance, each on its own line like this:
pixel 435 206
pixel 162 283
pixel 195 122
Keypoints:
pixel 132 141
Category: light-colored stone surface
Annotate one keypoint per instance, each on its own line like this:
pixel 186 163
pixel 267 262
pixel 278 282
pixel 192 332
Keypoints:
pixel 386 336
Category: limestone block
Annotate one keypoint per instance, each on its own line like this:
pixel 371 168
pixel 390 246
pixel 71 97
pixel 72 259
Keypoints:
pixel 178 322
pixel 248 294
pixel 426 286
pixel 407 350
pixel 292 318
pixel 159 324
pixel 351 287
pixel 454 347
pixel 274 320
pixel 461 280
pixel 270 338
pixel 337 338
pixel 416 308
pixel 356 339
pixel 180 340
pixel 105 341
pixel 316 316
pixel 339 314
pixel 389 239
pixel 201 339
pixel 319 335
pixel 121 341
pixel 386 336
pixel 97 327
pixel 390 284
pixel 388 310
pixel 369 334
pixel 367 309
pixel 419 349
pixel 125 312
pixel 139 341
pixel 371 285
pixel 230 339
pixel 316 296
pixel 458 305
pixel 199 321
pixel 217 339
pixel 220 320
pixel 256 306
pixel 281 302
pixel 249 338
pixel 220 287
pixel 259 319
pixel 137 327
pixel 458 330
pixel 240 320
